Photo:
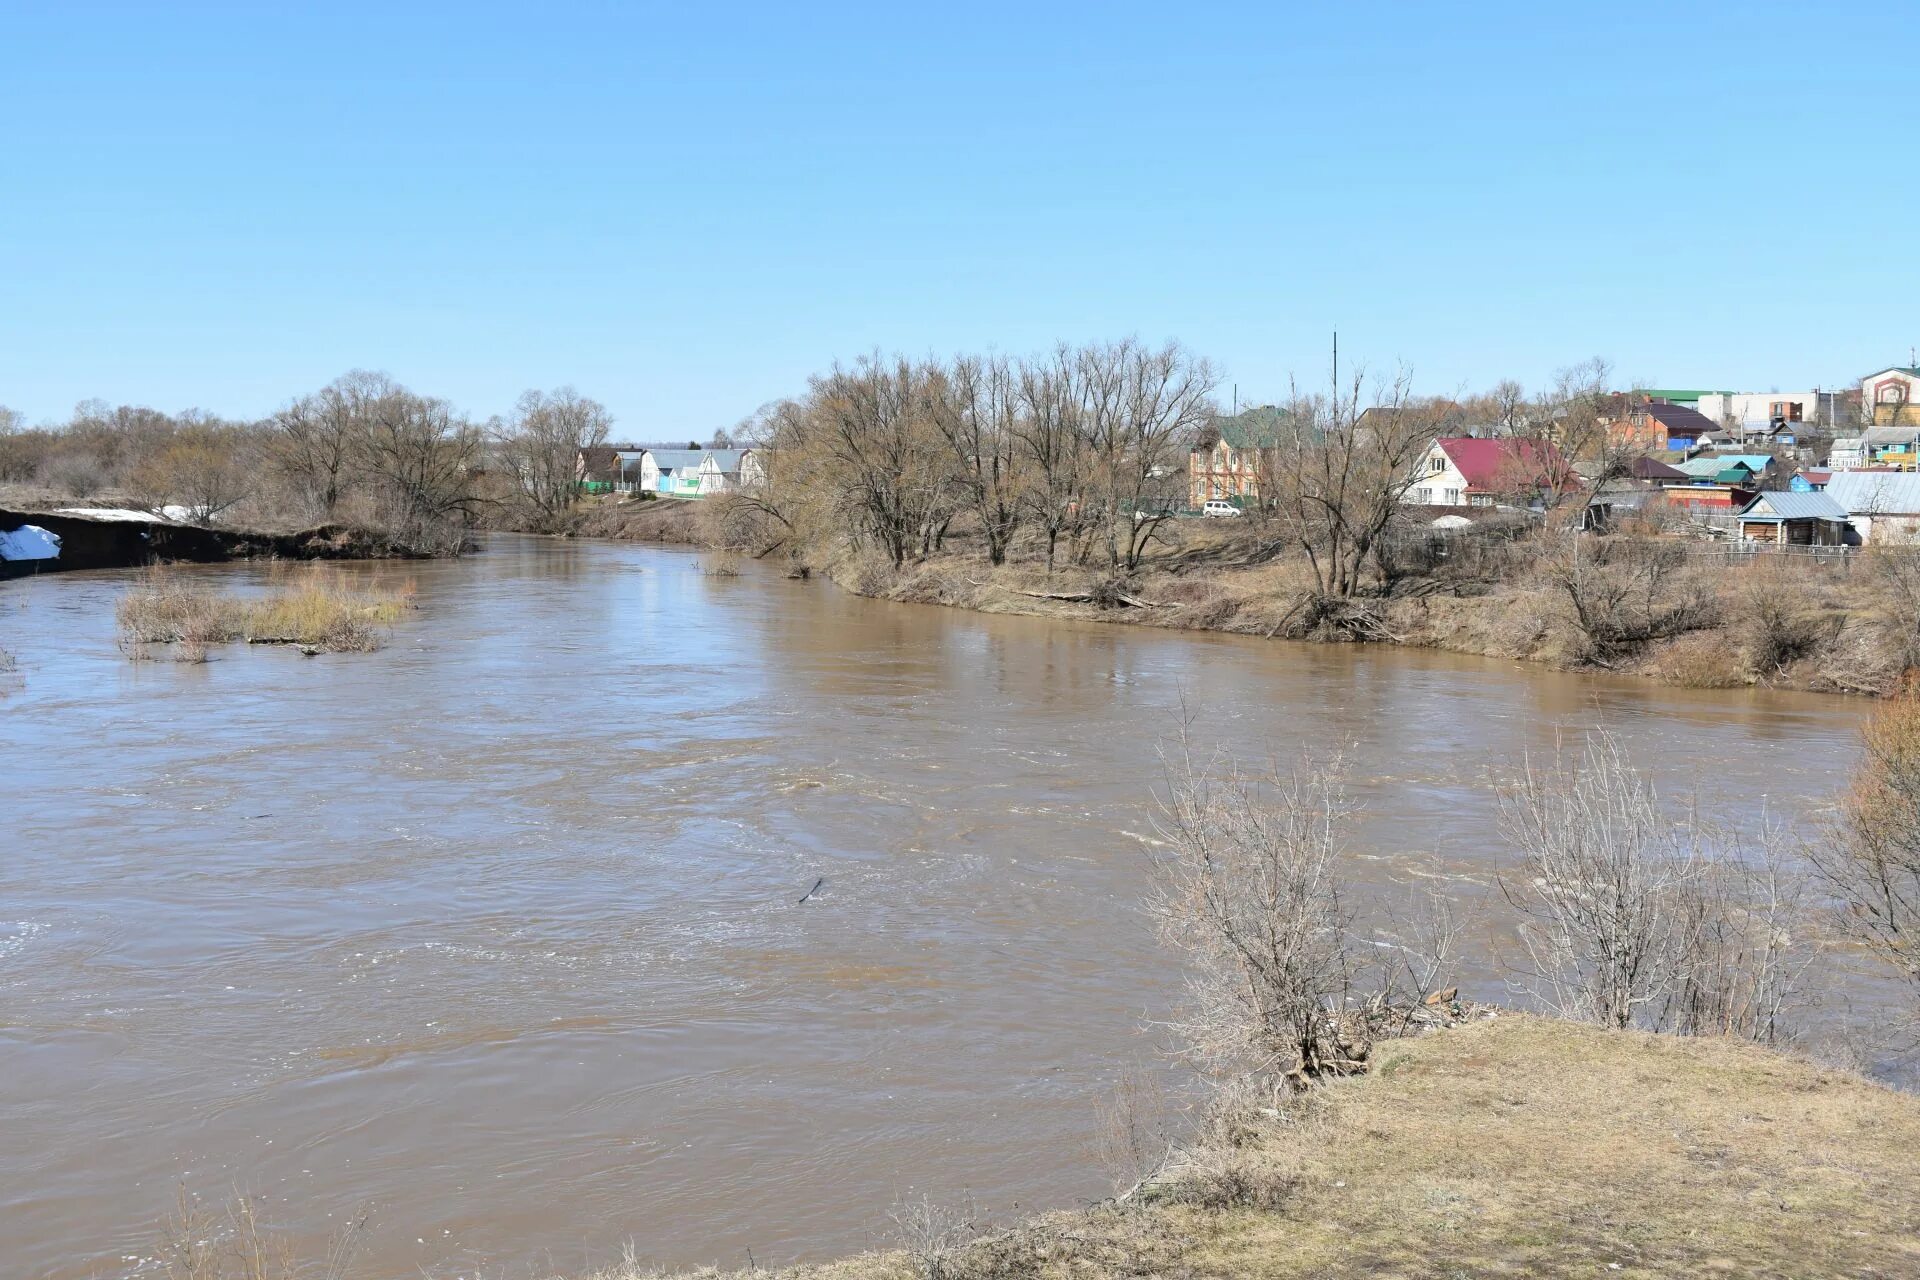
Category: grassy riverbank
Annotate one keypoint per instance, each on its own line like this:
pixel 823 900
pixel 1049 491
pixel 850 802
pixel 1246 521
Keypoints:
pixel 1518 1146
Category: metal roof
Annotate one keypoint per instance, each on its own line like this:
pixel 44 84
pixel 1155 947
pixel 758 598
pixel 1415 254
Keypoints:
pixel 1865 493
pixel 1794 506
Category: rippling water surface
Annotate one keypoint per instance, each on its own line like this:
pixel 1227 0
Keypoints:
pixel 496 931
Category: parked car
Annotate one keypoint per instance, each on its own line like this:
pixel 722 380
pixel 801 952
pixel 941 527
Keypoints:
pixel 1219 507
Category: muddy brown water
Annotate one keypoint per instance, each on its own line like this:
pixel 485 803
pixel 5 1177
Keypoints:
pixel 497 931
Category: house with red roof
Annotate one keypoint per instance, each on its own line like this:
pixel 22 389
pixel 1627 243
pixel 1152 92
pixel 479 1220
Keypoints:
pixel 1470 471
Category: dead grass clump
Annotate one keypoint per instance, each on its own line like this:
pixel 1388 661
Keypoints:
pixel 1698 661
pixel 320 610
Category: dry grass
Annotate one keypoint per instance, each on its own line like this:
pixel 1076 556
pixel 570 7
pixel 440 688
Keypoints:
pixel 318 610
pixel 1516 1147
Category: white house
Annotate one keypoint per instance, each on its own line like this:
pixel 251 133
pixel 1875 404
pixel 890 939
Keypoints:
pixel 1473 471
pixel 1849 453
pixel 1882 506
pixel 700 473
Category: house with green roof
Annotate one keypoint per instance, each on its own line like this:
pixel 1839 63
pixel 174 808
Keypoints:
pixel 1228 461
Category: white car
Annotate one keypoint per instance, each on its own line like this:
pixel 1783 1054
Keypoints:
pixel 1219 507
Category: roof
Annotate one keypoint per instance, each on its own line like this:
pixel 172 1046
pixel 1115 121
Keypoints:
pixel 1738 474
pixel 727 459
pixel 1257 428
pixel 1875 492
pixel 1912 371
pixel 1708 468
pixel 1653 469
pixel 676 459
pixel 1504 464
pixel 1891 435
pixel 1794 506
pixel 1678 417
pixel 1677 394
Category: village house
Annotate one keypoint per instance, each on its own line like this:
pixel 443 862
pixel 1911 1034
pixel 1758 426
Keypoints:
pixel 1653 425
pixel 1472 471
pixel 1882 506
pixel 1231 465
pixel 1794 519
pixel 699 473
pixel 1726 481
pixel 1809 480
pixel 1892 396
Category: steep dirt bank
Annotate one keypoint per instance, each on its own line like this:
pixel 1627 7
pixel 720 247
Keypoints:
pixel 97 542
pixel 1518 1146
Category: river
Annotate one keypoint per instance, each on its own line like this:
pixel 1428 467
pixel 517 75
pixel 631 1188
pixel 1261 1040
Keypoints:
pixel 497 932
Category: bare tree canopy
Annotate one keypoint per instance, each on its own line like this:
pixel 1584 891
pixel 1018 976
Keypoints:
pixel 539 447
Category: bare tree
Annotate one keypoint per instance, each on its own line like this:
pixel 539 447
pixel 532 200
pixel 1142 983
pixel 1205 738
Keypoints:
pixel 540 445
pixel 421 458
pixel 319 441
pixel 206 469
pixel 1053 457
pixel 978 419
pixel 1139 409
pixel 1339 479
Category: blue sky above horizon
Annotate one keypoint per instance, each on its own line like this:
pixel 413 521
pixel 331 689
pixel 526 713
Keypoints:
pixel 684 211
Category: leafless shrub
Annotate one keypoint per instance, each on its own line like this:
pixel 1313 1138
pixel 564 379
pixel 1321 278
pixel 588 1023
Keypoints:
pixel 1871 863
pixel 933 1234
pixel 1250 892
pixel 1633 919
pixel 1621 593
pixel 75 474
pixel 200 1244
pixel 1778 621
pixel 1132 1137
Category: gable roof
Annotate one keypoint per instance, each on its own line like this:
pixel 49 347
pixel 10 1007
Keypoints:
pixel 1260 427
pixel 1912 371
pixel 1653 469
pixel 1708 468
pixel 1504 464
pixel 1875 492
pixel 676 459
pixel 1794 506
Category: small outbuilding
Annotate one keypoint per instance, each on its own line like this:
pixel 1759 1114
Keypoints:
pixel 1795 520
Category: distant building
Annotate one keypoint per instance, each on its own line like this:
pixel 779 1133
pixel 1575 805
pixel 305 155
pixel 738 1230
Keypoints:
pixel 1238 459
pixel 1654 425
pixel 1892 396
pixel 1777 414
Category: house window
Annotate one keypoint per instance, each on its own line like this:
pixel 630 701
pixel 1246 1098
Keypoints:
pixel 1453 497
pixel 1436 464
pixel 1423 496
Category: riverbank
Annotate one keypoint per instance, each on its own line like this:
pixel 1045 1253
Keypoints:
pixel 118 539
pixel 1514 1146
pixel 1698 616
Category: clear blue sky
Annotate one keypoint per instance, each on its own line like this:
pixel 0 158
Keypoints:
pixel 685 209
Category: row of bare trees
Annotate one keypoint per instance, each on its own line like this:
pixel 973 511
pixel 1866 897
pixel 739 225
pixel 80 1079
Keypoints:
pixel 363 449
pixel 1083 447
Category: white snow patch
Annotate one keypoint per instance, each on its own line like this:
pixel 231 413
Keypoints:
pixel 114 513
pixel 29 542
